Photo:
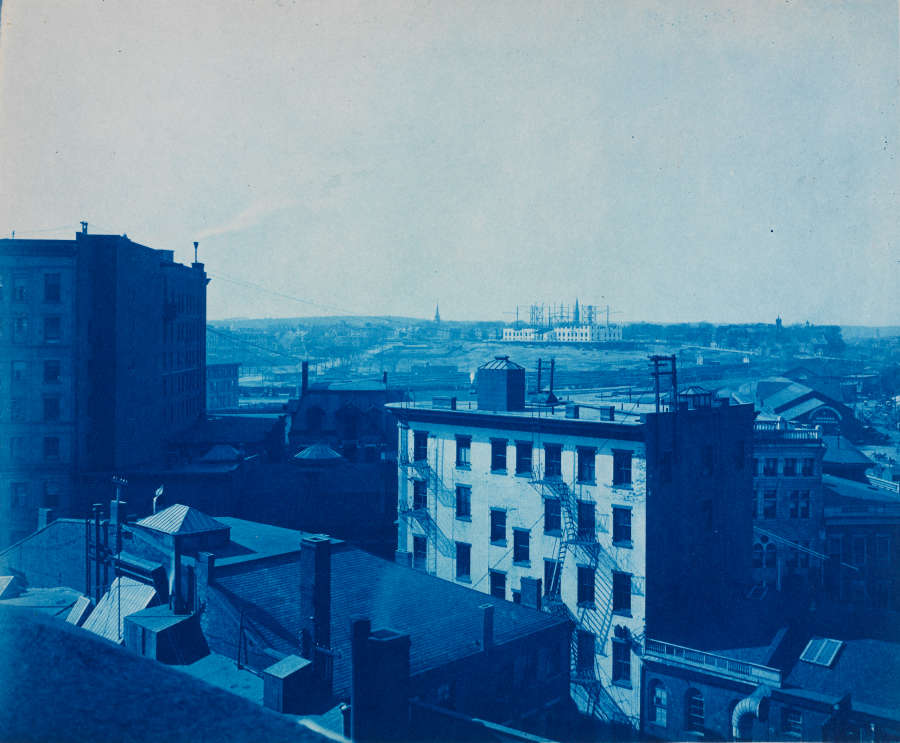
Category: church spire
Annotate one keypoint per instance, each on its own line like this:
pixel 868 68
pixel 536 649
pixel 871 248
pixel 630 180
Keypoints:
pixel 437 315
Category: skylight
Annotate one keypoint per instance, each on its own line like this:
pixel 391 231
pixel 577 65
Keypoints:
pixel 821 651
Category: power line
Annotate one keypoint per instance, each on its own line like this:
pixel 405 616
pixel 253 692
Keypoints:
pixel 259 287
pixel 236 339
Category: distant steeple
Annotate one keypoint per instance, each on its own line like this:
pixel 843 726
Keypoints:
pixel 575 318
pixel 437 315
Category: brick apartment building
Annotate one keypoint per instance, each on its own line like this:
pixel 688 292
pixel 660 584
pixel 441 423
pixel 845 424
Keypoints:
pixel 105 342
pixel 618 513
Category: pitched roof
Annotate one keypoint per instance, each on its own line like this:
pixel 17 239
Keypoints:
pixel 500 362
pixel 838 450
pixel 317 453
pixel 179 519
pixel 221 453
pixel 125 596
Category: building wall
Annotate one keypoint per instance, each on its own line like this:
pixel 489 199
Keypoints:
pixel 37 388
pixel 222 386
pixel 523 502
pixel 797 504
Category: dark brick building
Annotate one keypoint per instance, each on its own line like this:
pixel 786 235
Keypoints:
pixel 106 346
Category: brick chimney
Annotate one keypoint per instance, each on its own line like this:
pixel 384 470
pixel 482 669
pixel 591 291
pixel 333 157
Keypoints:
pixel 315 588
pixel 487 629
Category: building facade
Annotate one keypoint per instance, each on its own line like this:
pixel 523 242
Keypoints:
pixel 222 386
pixel 105 342
pixel 789 538
pixel 502 496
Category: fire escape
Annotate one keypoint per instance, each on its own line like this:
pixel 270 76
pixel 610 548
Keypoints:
pixel 419 470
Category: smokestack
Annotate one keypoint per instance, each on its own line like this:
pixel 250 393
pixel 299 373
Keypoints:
pixel 84 228
pixel 195 250
pixel 487 629
pixel 540 370
pixel 304 377
pixel 552 373
pixel 315 588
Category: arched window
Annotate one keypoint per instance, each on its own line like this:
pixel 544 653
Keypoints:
pixel 757 555
pixel 693 711
pixel 770 555
pixel 658 703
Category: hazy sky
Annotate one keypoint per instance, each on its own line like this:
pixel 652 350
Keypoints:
pixel 679 160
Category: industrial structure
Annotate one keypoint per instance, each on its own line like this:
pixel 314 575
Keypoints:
pixel 615 514
pixel 563 324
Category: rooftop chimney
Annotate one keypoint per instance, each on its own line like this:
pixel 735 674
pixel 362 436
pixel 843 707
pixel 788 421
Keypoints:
pixel 315 588
pixel 84 228
pixel 195 250
pixel 304 377
pixel 487 629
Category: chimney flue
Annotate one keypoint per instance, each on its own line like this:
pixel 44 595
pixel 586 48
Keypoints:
pixel 195 250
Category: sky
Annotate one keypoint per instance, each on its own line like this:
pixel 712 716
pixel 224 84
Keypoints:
pixel 686 160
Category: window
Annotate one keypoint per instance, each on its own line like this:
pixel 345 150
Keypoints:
pixel 463 502
pixel 20 291
pixel 883 547
pixel 463 561
pixel 659 703
pixel 498 455
pixel 18 495
pixel 621 525
pixel 790 467
pixel 586 464
pixel 771 555
pixel 523 457
pixel 794 504
pixel 17 410
pixel 770 499
pixel 52 329
pixel 51 372
pixel 52 291
pixel 551 577
pixel 552 516
pixel 420 552
pixel 792 722
pixel 757 555
pixel 804 504
pixel 464 451
pixel 19 371
pixel 586 581
pixel 587 525
pixel 552 460
pixel 51 494
pixel 809 467
pixel 694 712
pixel 621 468
pixel 498 527
pixel 859 550
pixel 520 545
pixel 20 329
pixel 498 584
pixel 51 447
pixel 585 653
pixel 621 662
pixel 622 592
pixel 420 446
pixel 420 495
pixel 51 409
pixel 770 468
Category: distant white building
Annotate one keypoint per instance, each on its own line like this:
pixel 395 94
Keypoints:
pixel 564 334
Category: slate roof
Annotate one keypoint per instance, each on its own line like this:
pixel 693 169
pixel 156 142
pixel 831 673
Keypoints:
pixel 125 596
pixel 180 519
pixel 802 408
pixel 866 669
pixel 838 450
pixel 444 620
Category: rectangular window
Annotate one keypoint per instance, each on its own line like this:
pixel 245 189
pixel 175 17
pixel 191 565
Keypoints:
pixel 20 291
pixel 586 581
pixel 17 410
pixel 51 494
pixel 552 516
pixel 622 592
pixel 586 463
pixel 498 455
pixel 498 584
pixel 521 538
pixel 51 372
pixel 420 552
pixel 587 523
pixel 794 504
pixel 464 452
pixel 551 577
pixel 804 504
pixel 770 499
pixel 790 467
pixel 792 722
pixel 20 329
pixel 51 448
pixel 420 446
pixel 585 653
pixel 809 467
pixel 498 527
pixel 770 468
pixel 621 526
pixel 51 409
pixel 552 460
pixel 52 291
pixel 621 468
pixel 19 371
pixel 621 662
pixel 523 457
pixel 420 495
pixel 859 551
pixel 52 329
pixel 18 495
pixel 883 547
pixel 463 560
pixel 463 502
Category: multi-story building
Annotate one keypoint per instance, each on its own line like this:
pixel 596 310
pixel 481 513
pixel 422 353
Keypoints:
pixel 618 513
pixel 104 348
pixel 788 539
pixel 222 386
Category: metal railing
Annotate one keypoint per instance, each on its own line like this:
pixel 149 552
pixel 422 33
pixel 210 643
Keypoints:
pixel 716 664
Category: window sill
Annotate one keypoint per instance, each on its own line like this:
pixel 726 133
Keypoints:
pixel 463 579
pixel 499 472
pixel 587 605
pixel 628 545
pixel 522 563
pixel 464 518
pixel 623 486
pixel 591 481
pixel 523 474
pixel 553 532
pixel 463 466
pixel 622 612
pixel 498 543
pixel 623 684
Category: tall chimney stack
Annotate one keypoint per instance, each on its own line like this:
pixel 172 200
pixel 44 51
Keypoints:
pixel 304 377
